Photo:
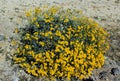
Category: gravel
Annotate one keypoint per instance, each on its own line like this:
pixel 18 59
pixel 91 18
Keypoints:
pixel 2 37
pixel 103 74
pixel 115 71
pixel 105 12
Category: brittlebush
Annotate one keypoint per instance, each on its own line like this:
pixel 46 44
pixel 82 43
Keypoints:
pixel 59 44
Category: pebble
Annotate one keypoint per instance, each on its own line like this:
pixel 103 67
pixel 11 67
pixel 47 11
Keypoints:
pixel 2 37
pixel 118 63
pixel 115 42
pixel 118 32
pixel 102 75
pixel 94 78
pixel 117 79
pixel 88 79
pixel 115 71
pixel 15 79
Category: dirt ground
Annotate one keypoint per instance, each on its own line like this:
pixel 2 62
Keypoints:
pixel 105 12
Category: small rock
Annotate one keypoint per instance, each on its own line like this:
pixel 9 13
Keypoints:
pixel 118 54
pixel 102 75
pixel 96 17
pixel 103 19
pixel 115 71
pixel 115 42
pixel 16 10
pixel 94 77
pixel 15 79
pixel 2 37
pixel 118 63
pixel 88 79
pixel 118 20
pixel 117 78
pixel 118 32
pixel 1 50
pixel 117 1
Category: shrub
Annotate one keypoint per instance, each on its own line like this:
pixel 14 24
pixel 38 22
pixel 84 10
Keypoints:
pixel 60 43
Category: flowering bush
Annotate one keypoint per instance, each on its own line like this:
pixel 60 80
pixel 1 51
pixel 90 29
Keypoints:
pixel 60 44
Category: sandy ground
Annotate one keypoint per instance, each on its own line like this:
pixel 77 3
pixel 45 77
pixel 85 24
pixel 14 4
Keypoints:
pixel 105 12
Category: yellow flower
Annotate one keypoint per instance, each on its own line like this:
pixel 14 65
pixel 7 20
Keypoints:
pixel 52 54
pixel 27 46
pixel 67 50
pixel 58 33
pixel 74 18
pixel 46 16
pixel 28 14
pixel 18 50
pixel 57 49
pixel 27 36
pixel 34 72
pixel 37 24
pixel 53 10
pixel 31 53
pixel 25 65
pixel 17 60
pixel 66 20
pixel 36 38
pixel 51 28
pixel 62 37
pixel 81 61
pixel 35 33
pixel 42 43
pixel 52 72
pixel 68 76
pixel 37 11
pixel 79 27
pixel 16 30
pixel 34 19
pixel 47 55
pixel 48 20
pixel 28 70
pixel 81 77
pixel 14 42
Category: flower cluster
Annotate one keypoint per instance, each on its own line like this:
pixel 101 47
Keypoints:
pixel 58 44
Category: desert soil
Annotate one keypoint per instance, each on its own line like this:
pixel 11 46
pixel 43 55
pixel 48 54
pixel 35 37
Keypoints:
pixel 105 12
